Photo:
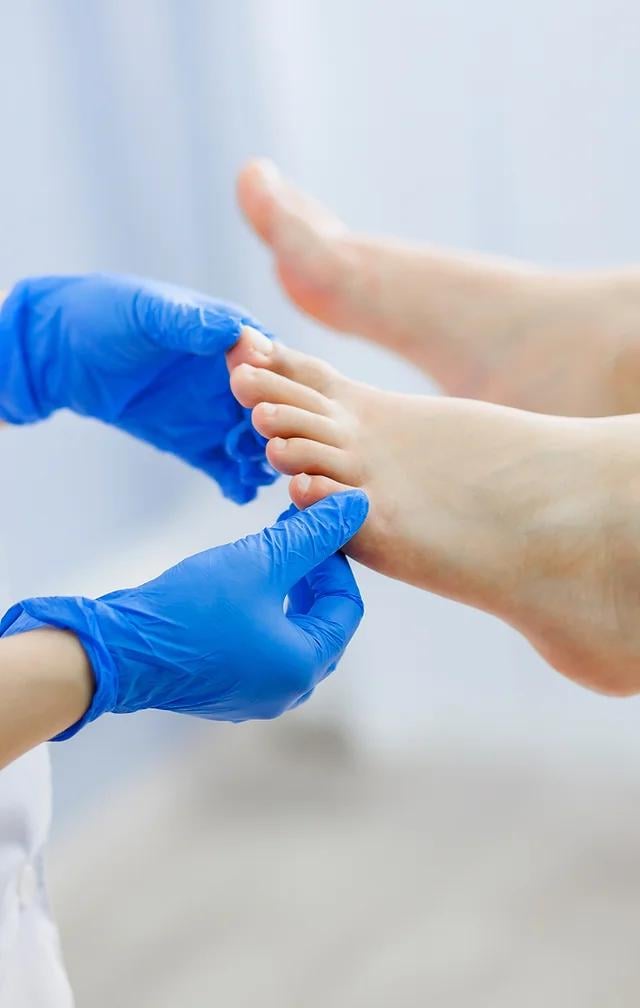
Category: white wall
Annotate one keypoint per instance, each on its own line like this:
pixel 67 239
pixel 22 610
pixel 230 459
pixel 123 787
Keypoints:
pixel 507 127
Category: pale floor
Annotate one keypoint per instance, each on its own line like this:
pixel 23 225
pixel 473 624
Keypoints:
pixel 277 868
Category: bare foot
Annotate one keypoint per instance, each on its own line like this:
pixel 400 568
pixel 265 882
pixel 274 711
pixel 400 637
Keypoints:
pixel 529 517
pixel 560 343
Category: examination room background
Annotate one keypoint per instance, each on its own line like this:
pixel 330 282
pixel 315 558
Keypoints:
pixel 448 819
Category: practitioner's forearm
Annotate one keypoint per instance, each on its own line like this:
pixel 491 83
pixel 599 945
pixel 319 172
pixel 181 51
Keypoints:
pixel 45 686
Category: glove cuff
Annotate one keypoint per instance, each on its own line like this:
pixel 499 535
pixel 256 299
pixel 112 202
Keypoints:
pixel 19 402
pixel 82 617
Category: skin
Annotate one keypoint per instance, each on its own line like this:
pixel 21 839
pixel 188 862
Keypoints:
pixel 533 518
pixel 527 518
pixel 504 332
pixel 46 685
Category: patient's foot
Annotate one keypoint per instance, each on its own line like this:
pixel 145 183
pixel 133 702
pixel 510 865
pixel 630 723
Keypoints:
pixel 516 513
pixel 485 329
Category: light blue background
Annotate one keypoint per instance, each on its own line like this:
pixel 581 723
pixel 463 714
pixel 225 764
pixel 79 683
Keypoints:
pixel 506 127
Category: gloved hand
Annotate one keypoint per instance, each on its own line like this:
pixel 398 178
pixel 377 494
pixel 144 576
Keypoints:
pixel 146 357
pixel 210 637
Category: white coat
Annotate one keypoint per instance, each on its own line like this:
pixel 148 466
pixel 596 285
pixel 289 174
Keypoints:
pixel 31 970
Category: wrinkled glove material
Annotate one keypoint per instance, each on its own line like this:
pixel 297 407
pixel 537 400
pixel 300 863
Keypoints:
pixel 145 357
pixel 211 637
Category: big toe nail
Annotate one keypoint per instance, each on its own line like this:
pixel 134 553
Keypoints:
pixel 259 342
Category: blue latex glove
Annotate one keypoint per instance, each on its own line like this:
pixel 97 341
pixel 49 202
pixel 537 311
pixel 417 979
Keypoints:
pixel 210 637
pixel 145 357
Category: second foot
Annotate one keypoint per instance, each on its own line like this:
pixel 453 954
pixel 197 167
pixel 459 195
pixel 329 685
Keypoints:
pixel 566 344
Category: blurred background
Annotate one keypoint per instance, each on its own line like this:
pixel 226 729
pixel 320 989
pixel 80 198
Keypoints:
pixel 448 821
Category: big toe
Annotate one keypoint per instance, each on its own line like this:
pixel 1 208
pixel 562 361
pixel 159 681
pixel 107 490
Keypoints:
pixel 256 349
pixel 253 347
pixel 317 262
pixel 282 215
pixel 254 188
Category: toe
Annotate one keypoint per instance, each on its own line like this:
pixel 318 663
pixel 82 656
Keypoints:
pixel 279 213
pixel 306 490
pixel 278 420
pixel 299 455
pixel 256 349
pixel 255 188
pixel 317 261
pixel 253 347
pixel 302 368
pixel 251 385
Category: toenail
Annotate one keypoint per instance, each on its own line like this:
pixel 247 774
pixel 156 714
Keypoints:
pixel 304 482
pixel 279 443
pixel 259 342
pixel 268 408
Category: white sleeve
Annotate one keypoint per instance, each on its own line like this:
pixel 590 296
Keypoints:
pixel 31 968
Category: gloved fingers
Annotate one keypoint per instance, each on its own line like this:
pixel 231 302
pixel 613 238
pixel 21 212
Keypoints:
pixel 246 448
pixel 302 699
pixel 188 322
pixel 288 513
pixel 334 613
pixel 324 641
pixel 300 597
pixel 331 578
pixel 301 542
